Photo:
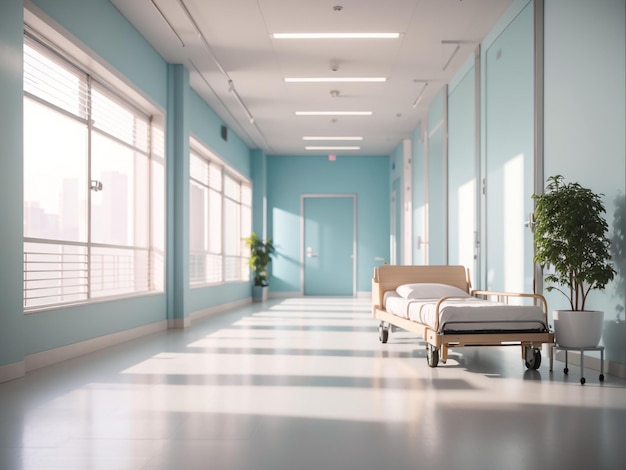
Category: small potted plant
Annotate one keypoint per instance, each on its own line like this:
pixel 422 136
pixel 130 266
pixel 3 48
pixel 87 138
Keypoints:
pixel 570 240
pixel 260 256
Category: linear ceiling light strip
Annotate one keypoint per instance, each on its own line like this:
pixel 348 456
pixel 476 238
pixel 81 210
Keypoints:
pixel 231 88
pixel 328 147
pixel 167 22
pixel 331 138
pixel 458 44
pixel 334 113
pixel 456 49
pixel 336 35
pixel 420 96
pixel 334 79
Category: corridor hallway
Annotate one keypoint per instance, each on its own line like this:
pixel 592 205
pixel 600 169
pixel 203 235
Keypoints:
pixel 304 384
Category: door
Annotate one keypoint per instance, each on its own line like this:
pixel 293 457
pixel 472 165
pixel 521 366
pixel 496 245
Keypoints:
pixel 509 177
pixel 328 245
pixel 394 246
pixel 462 171
pixel 437 179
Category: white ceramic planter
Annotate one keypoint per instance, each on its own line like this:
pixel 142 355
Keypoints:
pixel 578 329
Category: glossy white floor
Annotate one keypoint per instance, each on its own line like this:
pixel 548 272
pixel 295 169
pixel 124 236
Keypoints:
pixel 304 384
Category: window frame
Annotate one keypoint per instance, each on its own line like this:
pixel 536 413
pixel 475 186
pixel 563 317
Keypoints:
pixel 152 192
pixel 213 160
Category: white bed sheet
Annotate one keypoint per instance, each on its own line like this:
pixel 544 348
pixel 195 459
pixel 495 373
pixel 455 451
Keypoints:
pixel 467 314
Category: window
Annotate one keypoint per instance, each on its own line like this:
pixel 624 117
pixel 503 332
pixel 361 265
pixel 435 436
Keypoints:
pixel 220 217
pixel 91 187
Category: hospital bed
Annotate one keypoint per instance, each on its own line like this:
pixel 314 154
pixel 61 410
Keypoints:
pixel 438 304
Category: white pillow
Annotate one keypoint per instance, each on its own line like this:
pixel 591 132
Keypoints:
pixel 425 290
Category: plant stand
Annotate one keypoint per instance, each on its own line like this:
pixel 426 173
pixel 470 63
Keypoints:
pixel 582 359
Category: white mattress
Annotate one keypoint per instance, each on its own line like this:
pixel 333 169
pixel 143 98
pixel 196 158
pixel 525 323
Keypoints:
pixel 467 314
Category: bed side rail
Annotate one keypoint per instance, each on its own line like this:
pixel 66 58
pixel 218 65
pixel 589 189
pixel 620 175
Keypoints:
pixel 504 297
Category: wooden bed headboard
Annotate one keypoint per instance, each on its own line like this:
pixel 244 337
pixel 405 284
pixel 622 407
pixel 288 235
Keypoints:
pixel 388 277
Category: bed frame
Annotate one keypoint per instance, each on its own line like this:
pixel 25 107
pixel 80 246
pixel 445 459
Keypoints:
pixel 389 277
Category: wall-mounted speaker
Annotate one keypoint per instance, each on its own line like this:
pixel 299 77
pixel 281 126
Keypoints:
pixel 225 133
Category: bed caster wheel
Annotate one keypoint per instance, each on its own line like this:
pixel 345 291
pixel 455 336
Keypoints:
pixel 383 333
pixel 601 377
pixel 566 370
pixel 582 381
pixel 432 355
pixel 533 358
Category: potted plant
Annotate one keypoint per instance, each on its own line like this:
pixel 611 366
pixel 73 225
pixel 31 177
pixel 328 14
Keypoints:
pixel 260 256
pixel 570 240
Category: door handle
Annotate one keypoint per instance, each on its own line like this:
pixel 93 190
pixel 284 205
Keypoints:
pixel 421 242
pixel 530 222
pixel 310 253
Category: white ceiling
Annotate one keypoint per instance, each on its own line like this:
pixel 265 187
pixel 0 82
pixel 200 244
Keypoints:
pixel 235 44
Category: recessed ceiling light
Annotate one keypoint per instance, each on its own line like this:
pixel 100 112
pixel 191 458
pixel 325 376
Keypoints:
pixel 336 35
pixel 334 113
pixel 331 138
pixel 332 148
pixel 333 79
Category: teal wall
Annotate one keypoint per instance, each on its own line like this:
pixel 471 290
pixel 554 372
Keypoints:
pixel 28 334
pixel 584 128
pixel 289 177
pixel 206 126
pixel 167 86
pixel 584 131
pixel 12 338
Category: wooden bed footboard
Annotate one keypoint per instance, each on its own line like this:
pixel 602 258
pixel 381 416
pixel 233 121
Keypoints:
pixel 389 277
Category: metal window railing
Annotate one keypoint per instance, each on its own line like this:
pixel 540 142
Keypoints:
pixel 57 273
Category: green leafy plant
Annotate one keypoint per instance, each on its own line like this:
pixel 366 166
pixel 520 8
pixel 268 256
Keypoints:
pixel 618 250
pixel 260 256
pixel 570 235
